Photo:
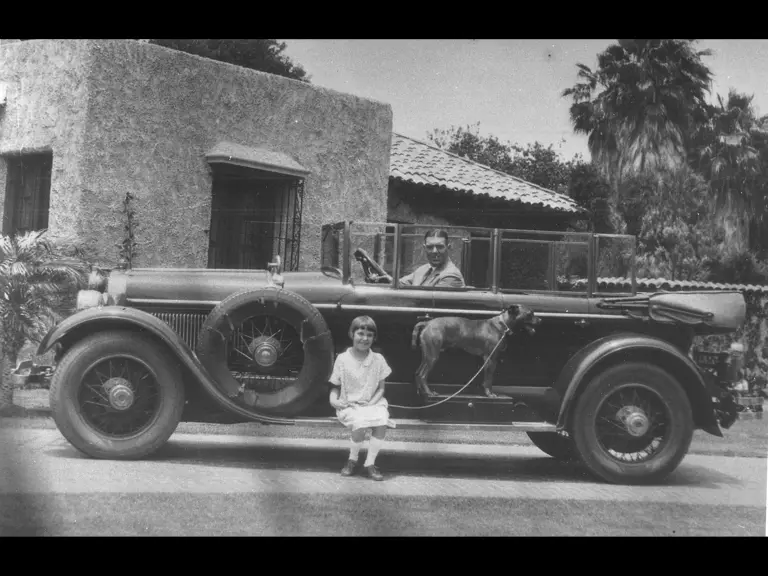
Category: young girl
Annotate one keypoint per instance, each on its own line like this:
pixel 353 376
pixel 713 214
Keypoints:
pixel 358 394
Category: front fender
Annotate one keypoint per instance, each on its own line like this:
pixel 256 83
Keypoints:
pixel 617 347
pixel 116 317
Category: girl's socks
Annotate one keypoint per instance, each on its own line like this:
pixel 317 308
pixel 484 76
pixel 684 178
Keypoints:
pixel 374 445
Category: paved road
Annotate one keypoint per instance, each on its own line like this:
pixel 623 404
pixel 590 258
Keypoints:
pixel 199 485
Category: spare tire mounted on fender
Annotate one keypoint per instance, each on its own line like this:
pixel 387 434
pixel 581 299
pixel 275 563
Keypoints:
pixel 277 344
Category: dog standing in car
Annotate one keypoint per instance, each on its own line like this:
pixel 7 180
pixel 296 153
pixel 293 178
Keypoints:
pixel 478 337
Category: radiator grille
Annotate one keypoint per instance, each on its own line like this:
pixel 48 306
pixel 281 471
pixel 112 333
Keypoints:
pixel 187 326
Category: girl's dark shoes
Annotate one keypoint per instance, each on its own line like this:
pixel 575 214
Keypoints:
pixel 373 473
pixel 370 471
pixel 349 468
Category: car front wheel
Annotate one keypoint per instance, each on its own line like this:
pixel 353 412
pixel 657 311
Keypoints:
pixel 117 395
pixel 632 424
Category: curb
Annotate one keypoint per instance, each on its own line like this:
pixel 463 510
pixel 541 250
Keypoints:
pixel 38 413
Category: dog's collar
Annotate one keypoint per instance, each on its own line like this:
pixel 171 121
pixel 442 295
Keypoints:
pixel 506 329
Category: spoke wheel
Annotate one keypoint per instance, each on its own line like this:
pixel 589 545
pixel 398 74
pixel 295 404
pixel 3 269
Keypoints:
pixel 117 395
pixel 265 353
pixel 269 350
pixel 632 424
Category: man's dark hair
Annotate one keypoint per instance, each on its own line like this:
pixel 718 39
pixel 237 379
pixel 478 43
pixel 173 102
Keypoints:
pixel 435 233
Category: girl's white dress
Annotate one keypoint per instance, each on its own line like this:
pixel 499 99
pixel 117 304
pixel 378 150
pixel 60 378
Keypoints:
pixel 359 382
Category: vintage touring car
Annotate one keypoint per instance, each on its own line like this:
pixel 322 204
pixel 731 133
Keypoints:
pixel 609 380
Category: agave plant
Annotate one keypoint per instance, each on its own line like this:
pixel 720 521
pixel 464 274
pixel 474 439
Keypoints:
pixel 39 279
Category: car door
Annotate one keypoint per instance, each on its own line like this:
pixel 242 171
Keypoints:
pixel 532 273
pixel 395 309
pixel 472 253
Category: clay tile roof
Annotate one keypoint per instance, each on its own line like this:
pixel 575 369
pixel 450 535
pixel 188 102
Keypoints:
pixel 420 163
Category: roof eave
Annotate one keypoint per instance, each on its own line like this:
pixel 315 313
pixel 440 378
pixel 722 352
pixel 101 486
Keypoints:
pixel 573 210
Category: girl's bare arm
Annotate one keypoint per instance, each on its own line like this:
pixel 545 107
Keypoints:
pixel 334 397
pixel 379 392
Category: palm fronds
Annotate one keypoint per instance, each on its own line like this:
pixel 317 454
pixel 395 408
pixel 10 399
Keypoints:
pixel 732 154
pixel 39 279
pixel 639 104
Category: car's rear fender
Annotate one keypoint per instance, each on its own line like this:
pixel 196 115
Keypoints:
pixel 619 348
pixel 93 320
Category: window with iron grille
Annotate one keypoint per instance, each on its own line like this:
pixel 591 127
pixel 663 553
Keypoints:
pixel 255 215
pixel 27 192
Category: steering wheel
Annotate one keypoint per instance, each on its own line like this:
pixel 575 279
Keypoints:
pixel 374 273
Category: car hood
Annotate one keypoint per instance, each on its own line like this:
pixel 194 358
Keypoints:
pixel 144 285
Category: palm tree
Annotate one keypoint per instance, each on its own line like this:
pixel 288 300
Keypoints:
pixel 38 282
pixel 640 104
pixel 732 150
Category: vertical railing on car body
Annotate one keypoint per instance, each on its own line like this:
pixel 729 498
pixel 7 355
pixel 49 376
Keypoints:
pixel 347 265
pixel 496 260
pixel 591 280
pixel 631 265
pixel 396 258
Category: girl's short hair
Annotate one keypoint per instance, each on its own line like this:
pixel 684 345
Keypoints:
pixel 364 322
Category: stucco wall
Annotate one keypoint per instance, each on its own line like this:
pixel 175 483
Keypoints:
pixel 153 114
pixel 46 83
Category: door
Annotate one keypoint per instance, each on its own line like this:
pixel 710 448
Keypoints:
pixel 472 253
pixel 534 272
pixel 395 310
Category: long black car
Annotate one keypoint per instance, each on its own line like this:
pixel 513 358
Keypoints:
pixel 608 379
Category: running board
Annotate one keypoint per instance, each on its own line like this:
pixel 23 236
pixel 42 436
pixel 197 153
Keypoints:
pixel 425 425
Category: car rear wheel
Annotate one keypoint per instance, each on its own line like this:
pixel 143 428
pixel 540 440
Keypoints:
pixel 632 424
pixel 559 445
pixel 117 395
pixel 270 344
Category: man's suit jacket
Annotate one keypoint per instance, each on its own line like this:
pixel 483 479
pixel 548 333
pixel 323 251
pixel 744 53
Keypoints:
pixel 450 275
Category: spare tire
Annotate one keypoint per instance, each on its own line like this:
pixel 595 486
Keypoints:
pixel 273 345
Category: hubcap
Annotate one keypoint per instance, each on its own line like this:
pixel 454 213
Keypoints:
pixel 634 419
pixel 121 395
pixel 265 351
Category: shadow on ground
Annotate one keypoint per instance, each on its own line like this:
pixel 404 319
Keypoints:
pixel 523 468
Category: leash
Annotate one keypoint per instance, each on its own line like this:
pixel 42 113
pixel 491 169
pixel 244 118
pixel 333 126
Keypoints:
pixel 504 335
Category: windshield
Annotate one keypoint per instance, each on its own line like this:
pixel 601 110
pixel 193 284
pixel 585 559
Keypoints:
pixel 527 259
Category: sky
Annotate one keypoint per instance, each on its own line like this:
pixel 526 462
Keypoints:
pixel 511 87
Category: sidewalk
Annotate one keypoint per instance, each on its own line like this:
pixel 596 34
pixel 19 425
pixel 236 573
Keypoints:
pixel 34 401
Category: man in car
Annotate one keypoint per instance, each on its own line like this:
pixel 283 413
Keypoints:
pixel 440 271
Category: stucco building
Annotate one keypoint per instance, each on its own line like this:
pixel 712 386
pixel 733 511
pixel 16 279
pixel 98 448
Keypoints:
pixel 227 166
